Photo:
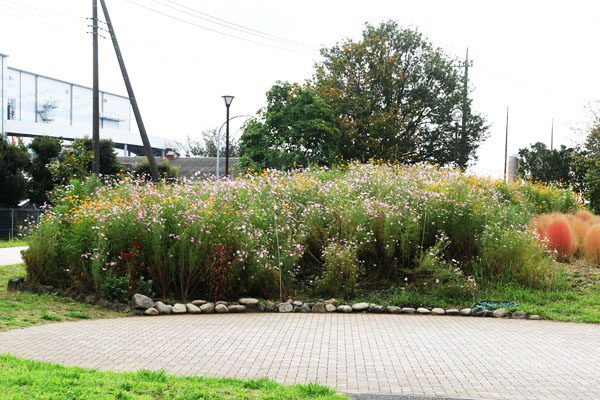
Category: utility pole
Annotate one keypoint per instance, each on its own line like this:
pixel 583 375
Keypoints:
pixel 506 147
pixel 552 136
pixel 134 105
pixel 465 104
pixel 96 95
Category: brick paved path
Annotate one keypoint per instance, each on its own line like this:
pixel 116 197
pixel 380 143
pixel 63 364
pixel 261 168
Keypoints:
pixel 357 353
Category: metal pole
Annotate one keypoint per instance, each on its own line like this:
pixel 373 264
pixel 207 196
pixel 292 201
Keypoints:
pixel 96 93
pixel 506 146
pixel 134 105
pixel 227 145
pixel 218 149
pixel 456 143
pixel 465 93
pixel 552 136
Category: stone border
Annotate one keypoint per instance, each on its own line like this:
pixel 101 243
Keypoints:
pixel 143 305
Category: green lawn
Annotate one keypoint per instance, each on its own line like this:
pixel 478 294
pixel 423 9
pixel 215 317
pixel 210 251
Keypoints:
pixel 20 309
pixel 12 243
pixel 24 379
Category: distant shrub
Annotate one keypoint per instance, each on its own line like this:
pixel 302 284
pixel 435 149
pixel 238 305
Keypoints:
pixel 341 266
pixel 591 244
pixel 561 238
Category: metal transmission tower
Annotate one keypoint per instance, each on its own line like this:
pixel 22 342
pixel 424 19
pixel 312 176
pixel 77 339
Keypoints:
pixel 134 105
pixel 96 93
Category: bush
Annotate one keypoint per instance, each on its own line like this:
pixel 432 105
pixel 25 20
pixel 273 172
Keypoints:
pixel 332 231
pixel 591 244
pixel 561 238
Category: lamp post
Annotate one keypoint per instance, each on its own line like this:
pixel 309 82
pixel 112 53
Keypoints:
pixel 457 118
pixel 228 99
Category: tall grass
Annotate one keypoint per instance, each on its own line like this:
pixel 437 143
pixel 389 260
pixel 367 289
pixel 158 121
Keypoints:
pixel 382 224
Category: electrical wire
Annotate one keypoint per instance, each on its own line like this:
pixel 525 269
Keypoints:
pixel 29 7
pixel 219 32
pixel 237 27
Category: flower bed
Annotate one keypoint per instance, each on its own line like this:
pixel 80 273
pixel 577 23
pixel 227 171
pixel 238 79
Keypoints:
pixel 328 231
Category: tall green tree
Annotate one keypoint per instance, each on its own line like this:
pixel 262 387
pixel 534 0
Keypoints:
pixel 14 162
pixel 591 159
pixel 563 166
pixel 392 94
pixel 296 127
pixel 45 149
pixel 109 164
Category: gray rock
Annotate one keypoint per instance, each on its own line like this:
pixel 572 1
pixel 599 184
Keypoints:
pixel 519 314
pixel 360 307
pixel 226 303
pixel 465 312
pixel 245 301
pixel 438 311
pixel 221 309
pixel 452 311
pixel 344 308
pixel 102 303
pixel 261 307
pixel 198 303
pixel 119 307
pixel 285 307
pixel 207 308
pixel 330 308
pixel 374 308
pixel 305 308
pixel 271 308
pixel 91 299
pixel 480 312
pixel 179 309
pixel 163 308
pixel 297 303
pixel 45 289
pixel 500 313
pixel 14 283
pixel 290 301
pixel 319 308
pixel 192 309
pixel 142 302
pixel 151 311
pixel 393 309
pixel 423 310
pixel 237 308
pixel 408 310
pixel 330 301
pixel 534 317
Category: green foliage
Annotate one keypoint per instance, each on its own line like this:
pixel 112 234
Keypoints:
pixel 45 149
pixel 164 170
pixel 392 94
pixel 24 379
pixel 559 166
pixel 333 231
pixel 296 128
pixel 116 288
pixel 341 269
pixel 71 163
pixel 592 162
pixel 109 165
pixel 14 162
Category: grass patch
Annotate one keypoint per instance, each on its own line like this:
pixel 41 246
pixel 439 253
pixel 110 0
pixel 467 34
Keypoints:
pixel 12 243
pixel 21 309
pixel 23 379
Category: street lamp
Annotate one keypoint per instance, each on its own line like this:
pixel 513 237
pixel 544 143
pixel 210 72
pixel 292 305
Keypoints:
pixel 457 118
pixel 228 99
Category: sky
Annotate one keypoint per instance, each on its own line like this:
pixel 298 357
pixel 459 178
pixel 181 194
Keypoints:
pixel 539 58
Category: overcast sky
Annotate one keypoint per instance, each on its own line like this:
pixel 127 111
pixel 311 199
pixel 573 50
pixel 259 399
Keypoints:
pixel 538 57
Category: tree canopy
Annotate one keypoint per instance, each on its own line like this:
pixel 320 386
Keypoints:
pixel 296 128
pixel 14 161
pixel 392 94
pixel 45 149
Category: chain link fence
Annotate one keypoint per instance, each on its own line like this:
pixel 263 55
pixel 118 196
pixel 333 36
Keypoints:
pixel 11 219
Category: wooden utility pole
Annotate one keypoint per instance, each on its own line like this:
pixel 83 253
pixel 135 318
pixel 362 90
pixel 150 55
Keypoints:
pixel 134 105
pixel 96 95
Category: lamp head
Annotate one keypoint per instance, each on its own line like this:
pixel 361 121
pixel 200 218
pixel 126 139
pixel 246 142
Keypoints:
pixel 228 99
pixel 456 115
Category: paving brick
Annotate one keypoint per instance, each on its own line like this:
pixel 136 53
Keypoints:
pixel 401 354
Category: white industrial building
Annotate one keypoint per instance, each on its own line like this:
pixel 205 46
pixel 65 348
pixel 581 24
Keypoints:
pixel 36 105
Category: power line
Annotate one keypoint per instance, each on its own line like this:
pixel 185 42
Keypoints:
pixel 237 27
pixel 218 32
pixel 28 9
